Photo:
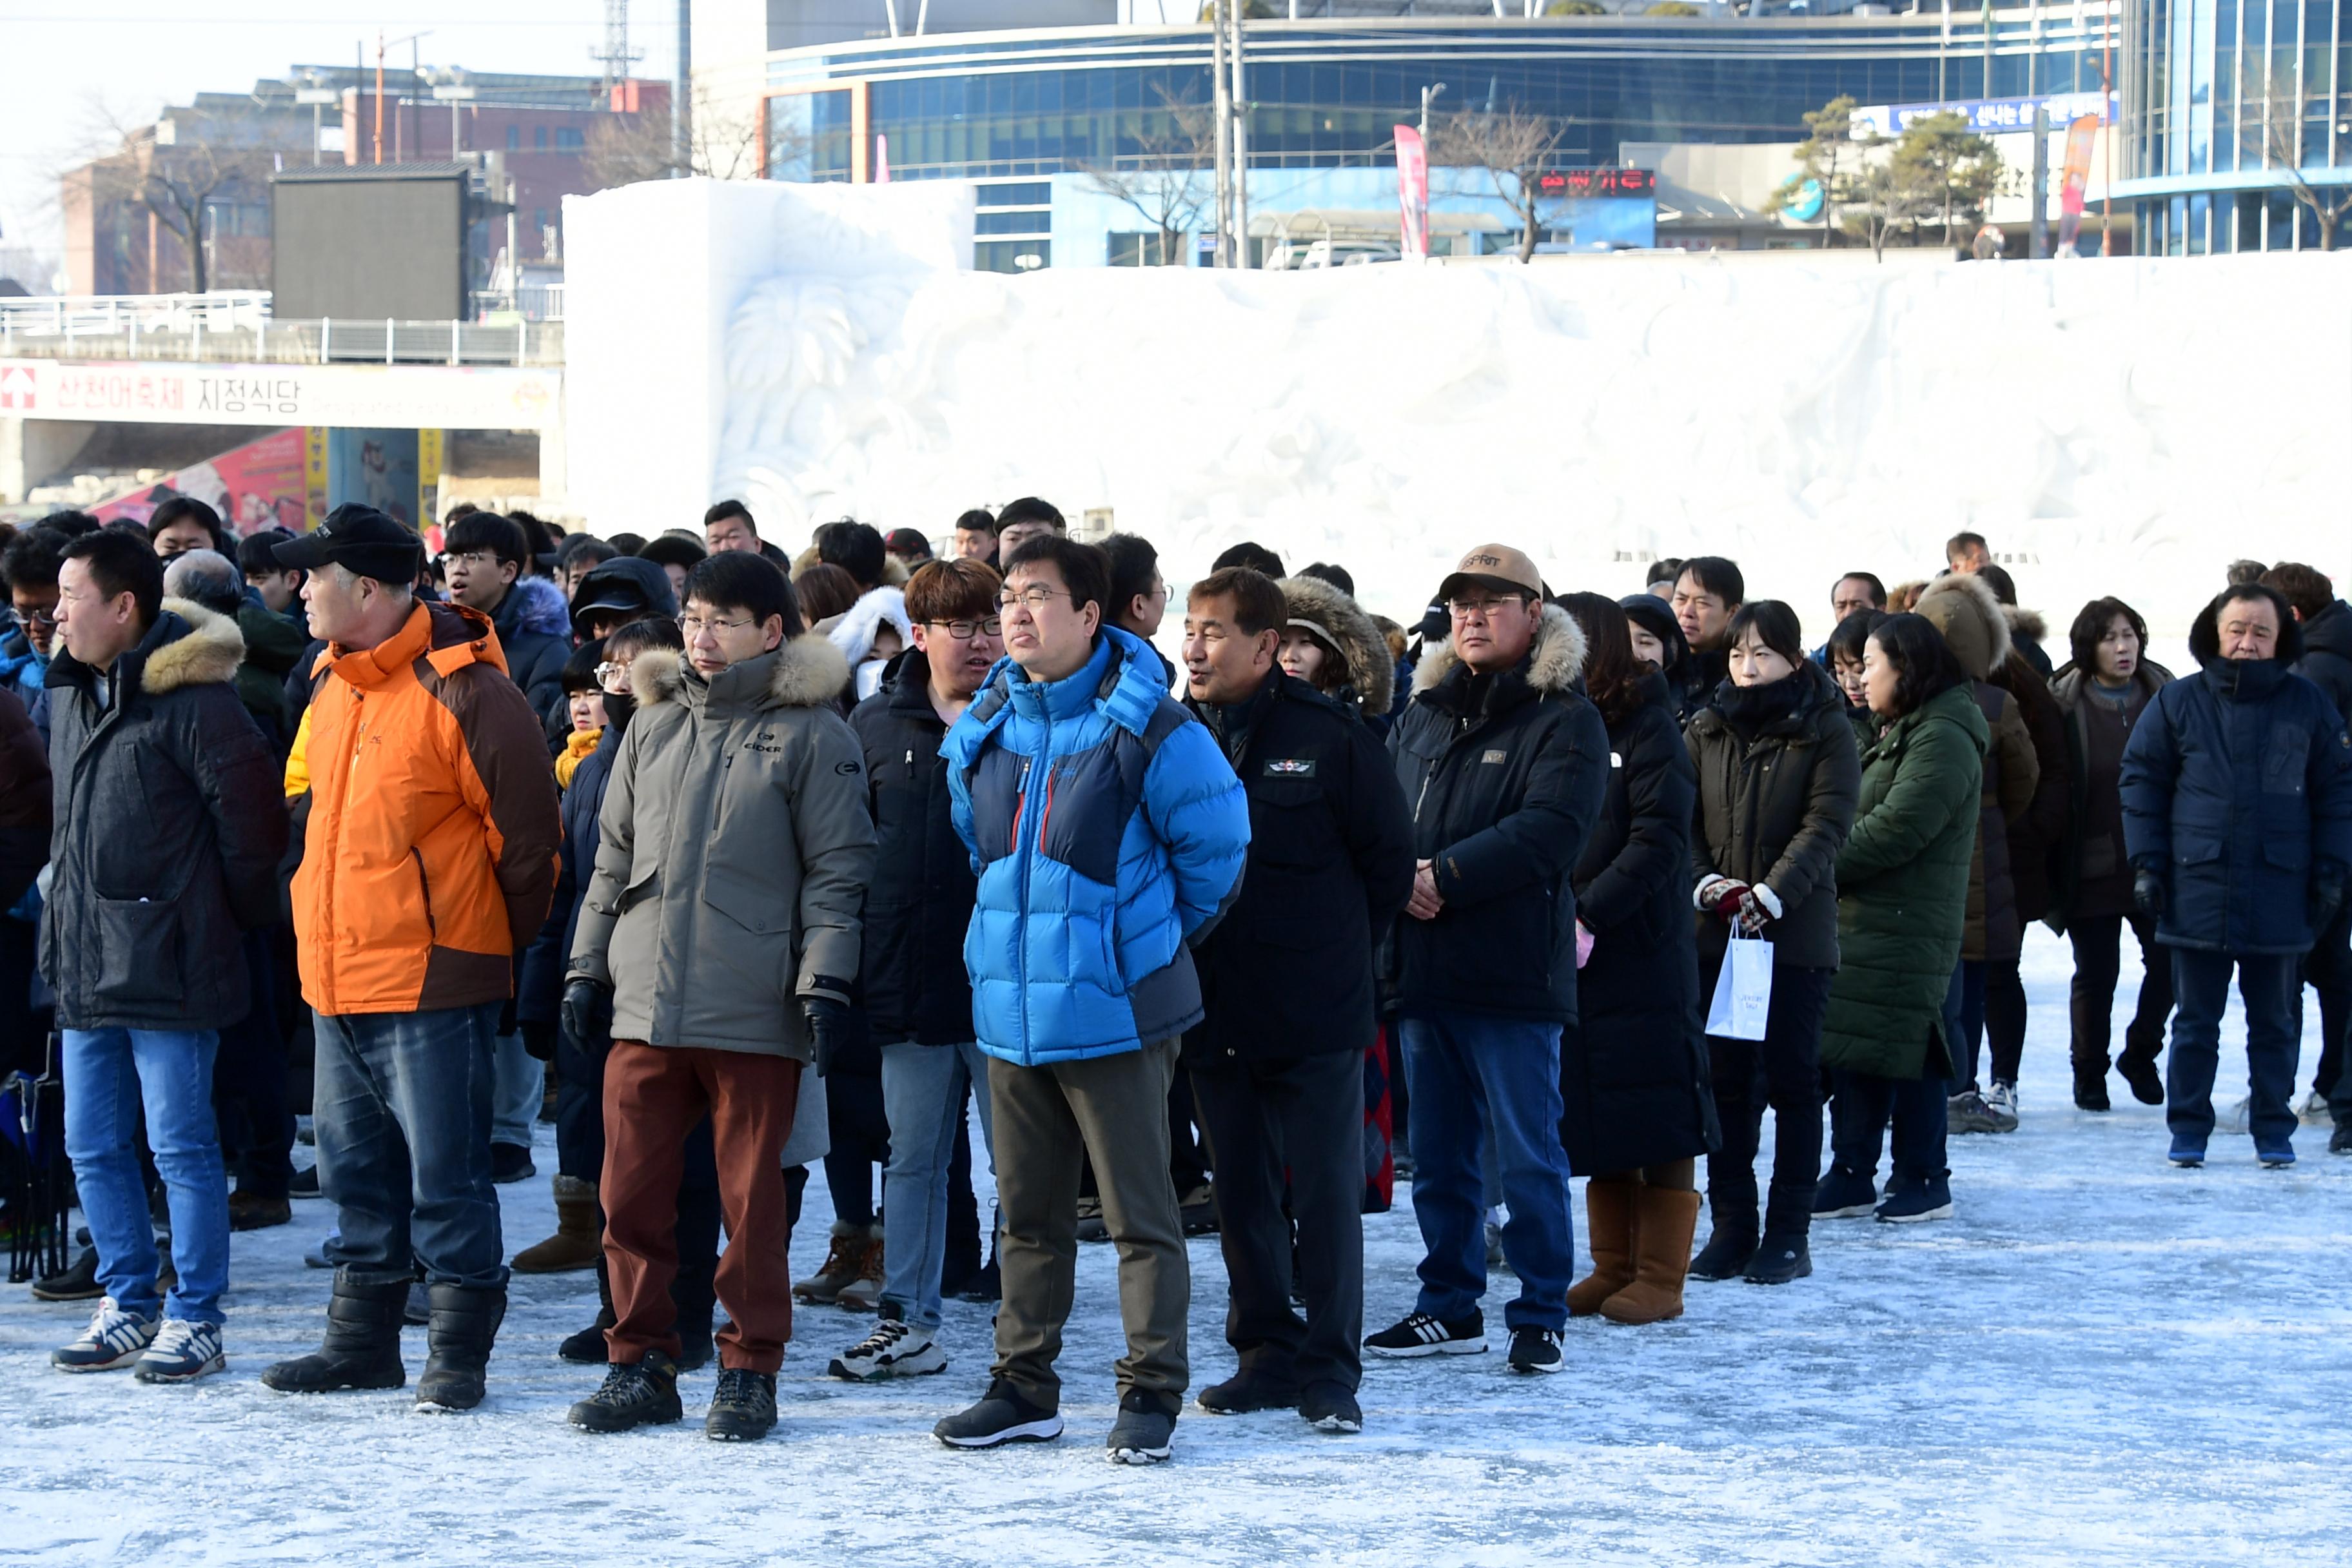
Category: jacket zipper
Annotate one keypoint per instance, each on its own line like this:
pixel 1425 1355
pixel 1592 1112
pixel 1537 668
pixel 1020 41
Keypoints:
pixel 1020 926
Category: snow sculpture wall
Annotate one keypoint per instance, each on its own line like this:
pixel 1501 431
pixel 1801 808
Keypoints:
pixel 2127 426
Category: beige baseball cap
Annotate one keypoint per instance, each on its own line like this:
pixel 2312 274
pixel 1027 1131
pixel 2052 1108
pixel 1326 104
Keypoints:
pixel 1495 566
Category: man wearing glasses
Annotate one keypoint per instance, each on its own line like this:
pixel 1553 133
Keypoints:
pixel 721 928
pixel 1108 833
pixel 30 566
pixel 917 996
pixel 1505 763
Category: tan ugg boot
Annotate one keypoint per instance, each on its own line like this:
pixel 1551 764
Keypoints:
pixel 865 1292
pixel 844 1260
pixel 1609 1228
pixel 1664 1219
pixel 575 1245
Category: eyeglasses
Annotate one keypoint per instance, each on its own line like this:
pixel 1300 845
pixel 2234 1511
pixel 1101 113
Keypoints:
pixel 964 631
pixel 608 672
pixel 1036 596
pixel 695 626
pixel 1465 608
pixel 43 618
pixel 472 558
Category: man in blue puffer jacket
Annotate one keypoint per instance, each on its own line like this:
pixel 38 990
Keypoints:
pixel 1109 833
pixel 2237 792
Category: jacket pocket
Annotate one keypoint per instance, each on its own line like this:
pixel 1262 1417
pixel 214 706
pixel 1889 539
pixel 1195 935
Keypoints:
pixel 139 958
pixel 638 891
pixel 2189 849
pixel 2284 758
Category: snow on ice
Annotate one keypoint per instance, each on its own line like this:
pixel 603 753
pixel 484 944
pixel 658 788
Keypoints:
pixel 2100 1360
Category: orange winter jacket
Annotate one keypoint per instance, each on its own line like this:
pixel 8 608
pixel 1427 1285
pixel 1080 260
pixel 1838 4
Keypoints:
pixel 430 856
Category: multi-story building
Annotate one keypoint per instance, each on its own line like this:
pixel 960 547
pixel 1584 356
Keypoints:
pixel 184 202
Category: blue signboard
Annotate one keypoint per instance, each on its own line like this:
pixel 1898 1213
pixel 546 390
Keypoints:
pixel 1992 116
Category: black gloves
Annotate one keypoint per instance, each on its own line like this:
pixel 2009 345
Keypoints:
pixel 828 1026
pixel 587 1009
pixel 2326 899
pixel 2147 890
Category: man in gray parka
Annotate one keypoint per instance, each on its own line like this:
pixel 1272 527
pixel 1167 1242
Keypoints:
pixel 722 927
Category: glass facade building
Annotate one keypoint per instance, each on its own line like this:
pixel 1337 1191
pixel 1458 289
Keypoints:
pixel 996 105
pixel 2228 106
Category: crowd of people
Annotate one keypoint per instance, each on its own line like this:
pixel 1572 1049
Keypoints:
pixel 731 862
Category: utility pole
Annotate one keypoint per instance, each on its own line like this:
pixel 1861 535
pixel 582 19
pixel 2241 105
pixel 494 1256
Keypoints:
pixel 2037 231
pixel 681 95
pixel 379 97
pixel 1222 109
pixel 2107 126
pixel 1240 95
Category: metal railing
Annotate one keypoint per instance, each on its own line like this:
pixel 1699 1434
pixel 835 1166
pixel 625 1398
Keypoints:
pixel 532 302
pixel 255 337
pixel 70 315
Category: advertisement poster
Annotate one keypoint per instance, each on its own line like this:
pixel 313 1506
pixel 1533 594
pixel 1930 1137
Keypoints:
pixel 1413 189
pixel 262 484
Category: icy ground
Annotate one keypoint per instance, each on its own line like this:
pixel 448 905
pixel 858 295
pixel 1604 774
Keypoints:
pixel 2101 1360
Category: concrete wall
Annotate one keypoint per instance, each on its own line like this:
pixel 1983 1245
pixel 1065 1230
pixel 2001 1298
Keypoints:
pixel 36 451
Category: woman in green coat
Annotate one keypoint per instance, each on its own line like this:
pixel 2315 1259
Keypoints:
pixel 1903 893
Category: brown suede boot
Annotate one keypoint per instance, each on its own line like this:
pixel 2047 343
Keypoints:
pixel 864 1293
pixel 1664 1219
pixel 845 1261
pixel 1609 1228
pixel 575 1245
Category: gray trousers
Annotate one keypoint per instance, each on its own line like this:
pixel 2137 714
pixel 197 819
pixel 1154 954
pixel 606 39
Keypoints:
pixel 1114 1111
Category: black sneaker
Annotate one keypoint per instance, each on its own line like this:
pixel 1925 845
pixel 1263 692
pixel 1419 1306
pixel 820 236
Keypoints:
pixel 987 1285
pixel 2146 1083
pixel 305 1184
pixel 1726 1254
pixel 1419 1335
pixel 510 1162
pixel 1002 1416
pixel 1328 1407
pixel 2340 1141
pixel 1845 1194
pixel 1918 1201
pixel 1781 1259
pixel 77 1283
pixel 1535 1350
pixel 1145 1432
pixel 1246 1391
pixel 635 1393
pixel 742 1407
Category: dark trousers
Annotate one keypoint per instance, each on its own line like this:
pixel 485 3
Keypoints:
pixel 2327 969
pixel 2004 1018
pixel 579 1107
pixel 1305 1116
pixel 2270 984
pixel 404 1127
pixel 1188 1160
pixel 256 1118
pixel 1866 1103
pixel 1964 1018
pixel 1781 1070
pixel 1049 1120
pixel 2098 964
pixel 858 1144
pixel 654 1096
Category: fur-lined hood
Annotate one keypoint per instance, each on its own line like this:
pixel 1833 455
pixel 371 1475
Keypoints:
pixel 208 654
pixel 853 631
pixel 808 672
pixel 1555 664
pixel 1965 609
pixel 534 604
pixel 2026 624
pixel 1340 624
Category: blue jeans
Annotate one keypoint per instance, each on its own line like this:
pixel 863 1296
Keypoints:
pixel 1471 1073
pixel 922 1095
pixel 2272 986
pixel 520 1089
pixel 401 1109
pixel 106 1073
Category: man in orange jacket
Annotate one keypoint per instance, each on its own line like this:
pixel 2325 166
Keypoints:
pixel 429 860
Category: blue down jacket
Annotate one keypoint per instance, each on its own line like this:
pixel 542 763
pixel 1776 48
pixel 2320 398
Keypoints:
pixel 1108 832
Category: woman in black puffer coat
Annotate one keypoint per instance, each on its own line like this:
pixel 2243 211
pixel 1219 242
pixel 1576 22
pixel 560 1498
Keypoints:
pixel 1633 1071
pixel 1779 775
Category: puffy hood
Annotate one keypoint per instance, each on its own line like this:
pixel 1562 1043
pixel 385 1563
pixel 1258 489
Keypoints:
pixel 1553 663
pixel 533 605
pixel 628 577
pixel 1966 611
pixel 2205 636
pixel 1340 624
pixel 2026 625
pixel 206 653
pixel 809 672
pixel 2330 631
pixel 853 631
pixel 1655 616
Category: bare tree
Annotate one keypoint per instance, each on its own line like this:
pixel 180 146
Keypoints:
pixel 724 137
pixel 1166 181
pixel 2286 146
pixel 1510 148
pixel 180 166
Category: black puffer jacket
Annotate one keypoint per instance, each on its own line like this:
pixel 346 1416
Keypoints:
pixel 1288 971
pixel 535 632
pixel 1774 809
pixel 2327 660
pixel 2036 834
pixel 169 824
pixel 1634 1078
pixel 910 973
pixel 1505 774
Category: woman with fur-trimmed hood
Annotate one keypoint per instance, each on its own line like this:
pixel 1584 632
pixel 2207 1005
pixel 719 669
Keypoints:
pixel 1328 642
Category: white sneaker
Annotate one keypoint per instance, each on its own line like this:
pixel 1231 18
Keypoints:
pixel 183 1353
pixel 2001 1106
pixel 894 1349
pixel 2239 1118
pixel 2314 1111
pixel 114 1338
